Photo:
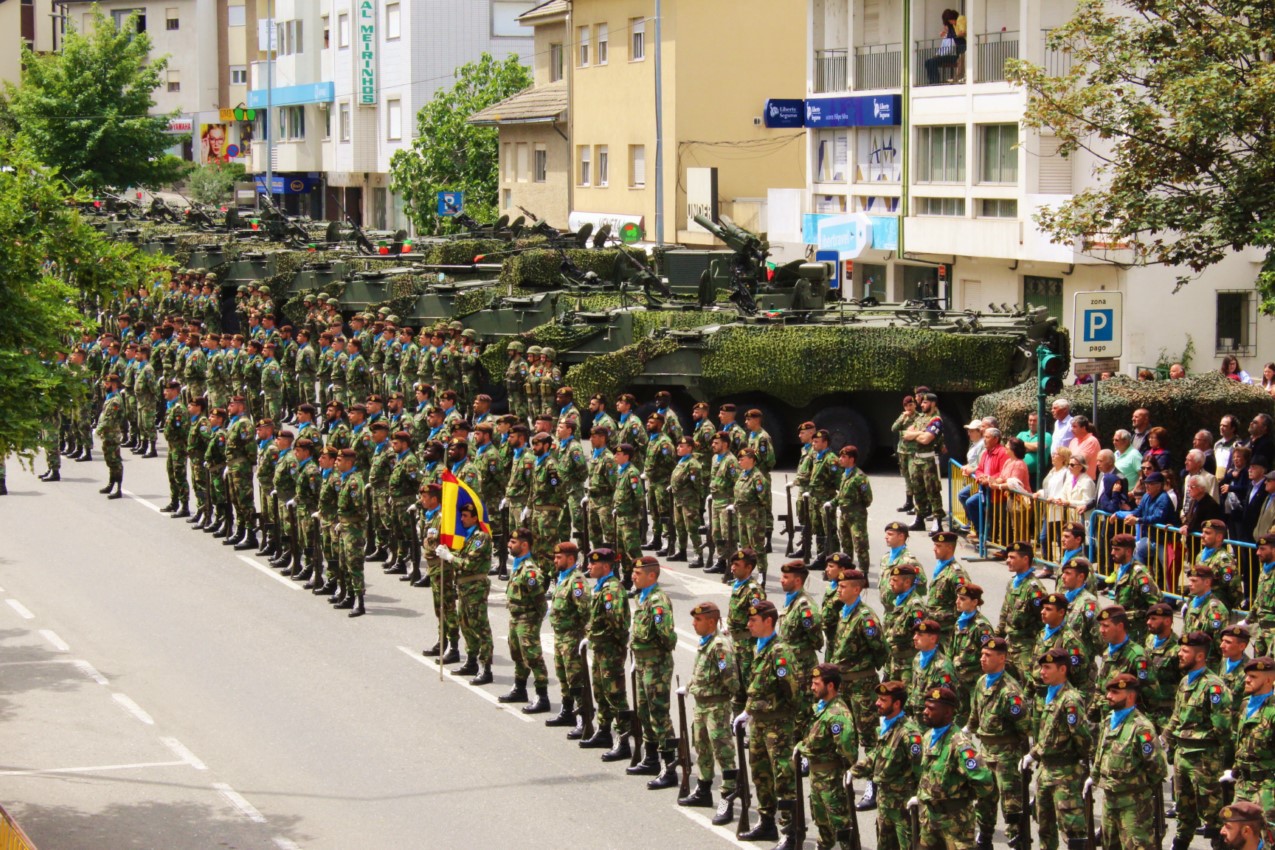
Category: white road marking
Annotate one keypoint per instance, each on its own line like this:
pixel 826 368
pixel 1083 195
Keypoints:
pixel 94 769
pixel 257 565
pixel 41 661
pixel 184 754
pixel 57 642
pixel 89 670
pixel 722 832
pixel 133 709
pixel 23 611
pixel 140 500
pixel 237 800
pixel 286 844
pixel 476 691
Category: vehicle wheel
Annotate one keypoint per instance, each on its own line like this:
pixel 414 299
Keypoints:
pixel 847 427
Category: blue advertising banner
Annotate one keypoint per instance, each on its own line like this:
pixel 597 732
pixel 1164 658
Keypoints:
pixel 784 112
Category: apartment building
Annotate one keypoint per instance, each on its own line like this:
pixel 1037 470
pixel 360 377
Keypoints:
pixel 28 22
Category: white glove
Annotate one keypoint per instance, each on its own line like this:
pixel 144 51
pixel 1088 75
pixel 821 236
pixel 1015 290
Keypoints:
pixel 274 493
pixel 1226 778
pixel 1027 762
pixel 504 503
pixel 1087 788
pixel 914 802
pixel 291 503
pixel 1183 610
pixel 849 778
pixel 522 517
pixel 741 719
pixel 730 509
pixel 584 503
pixel 966 730
pixel 681 692
pixel 584 644
pixel 643 476
pixel 1243 623
pixel 314 515
pixel 444 553
pixel 827 504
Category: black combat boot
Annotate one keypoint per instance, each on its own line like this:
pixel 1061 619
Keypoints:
pixel 423 581
pixel 85 455
pixel 347 601
pixel 726 808
pixel 719 566
pixel 668 776
pixel 600 740
pixel 918 524
pixel 983 841
pixel 656 542
pixel 380 553
pixel 413 577
pixel 110 483
pixel 433 652
pixel 541 703
pixel 150 451
pixel 484 677
pixel 621 751
pixel 324 588
pixel 679 555
pixel 1077 843
pixel 182 511
pixel 452 655
pixel 222 526
pixel 170 507
pixel 701 797
pixel 650 763
pixel 119 486
pixel 248 542
pixel 358 610
pixel 868 801
pixel 566 715
pixel 695 563
pixel 1181 842
pixel 906 507
pixel 517 694
pixel 763 830
pixel 338 597
pixel 469 668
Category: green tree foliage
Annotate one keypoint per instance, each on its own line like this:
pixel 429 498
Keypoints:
pixel 1174 98
pixel 449 154
pixel 51 264
pixel 214 183
pixel 86 110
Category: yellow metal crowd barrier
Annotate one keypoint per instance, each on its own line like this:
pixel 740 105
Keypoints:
pixel 1008 517
pixel 11 835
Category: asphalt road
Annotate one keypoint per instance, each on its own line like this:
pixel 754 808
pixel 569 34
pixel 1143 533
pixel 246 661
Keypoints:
pixel 159 690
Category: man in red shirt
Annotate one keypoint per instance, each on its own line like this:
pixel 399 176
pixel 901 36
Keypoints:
pixel 989 469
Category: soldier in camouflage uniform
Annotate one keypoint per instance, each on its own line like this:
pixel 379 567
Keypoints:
pixel 904 449
pixel 1129 767
pixel 197 432
pixel 471 564
pixel 600 487
pixel 1000 715
pixel 687 485
pixel 309 481
pixel 1053 616
pixel 516 374
pixel 760 442
pixel 721 488
pixel 1228 585
pixel 661 457
pixel 948 577
pixel 1082 604
pixel 608 634
pixel 574 467
pixel 626 509
pixel 714 684
pixel 892 766
pixel 800 630
pixel 1123 653
pixel 146 389
pixel 830 605
pixel 569 617
pixel 381 469
pixel 772 705
pixel 825 479
pixel 1134 589
pixel 748 504
pixel 403 489
pixel 1261 616
pixel 272 383
pixel 926 432
pixel 831 746
pixel 854 497
pixel 1235 641
pixel 1253 763
pixel 109 424
pixel 440 576
pixel 931 668
pixel 654 640
pixel 702 432
pixel 1020 612
pixel 897 554
pixel 745 591
pixel 858 649
pixel 1199 735
pixel 177 424
pixel 629 429
pixel 1063 748
pixel 907 608
pixel 241 454
pixel 1204 611
pixel 525 598
pixel 549 494
pixel 737 437
pixel 954 779
pixel 350 532
pixel 1161 646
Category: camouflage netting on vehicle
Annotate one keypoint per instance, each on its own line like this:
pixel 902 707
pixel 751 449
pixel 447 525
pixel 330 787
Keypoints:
pixel 1183 407
pixel 542 269
pixel 798 363
pixel 614 373
pixel 459 252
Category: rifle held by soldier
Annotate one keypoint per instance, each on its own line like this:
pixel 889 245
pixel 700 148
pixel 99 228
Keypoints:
pixel 789 527
pixel 806 529
pixel 743 792
pixel 1091 836
pixel 829 524
pixel 1025 817
pixel 797 830
pixel 635 725
pixel 683 742
pixel 852 824
pixel 294 549
pixel 584 522
pixel 586 709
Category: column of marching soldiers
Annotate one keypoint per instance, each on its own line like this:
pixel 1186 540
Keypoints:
pixel 941 713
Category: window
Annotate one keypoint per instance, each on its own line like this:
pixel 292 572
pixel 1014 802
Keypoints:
pixel 601 58
pixel 582 40
pixel 918 281
pixel 637 51
pixel 504 18
pixel 523 166
pixel 998 148
pixel 869 280
pixel 637 166
pixel 540 169
pixel 394 119
pixel 940 206
pixel 832 156
pixel 343 30
pixel 120 17
pixel 292 123
pixel 327 32
pixel 1236 322
pixel 393 21
pixel 298 43
pixel 604 165
pixel 1044 292
pixel 236 16
pixel 326 109
pixel 940 155
pixel 171 21
pixel 507 157
pixel 508 195
pixel 555 63
pixel 174 81
pixel 289 35
pixel 283 40
pixel 239 75
pixel 345 122
pixel 998 208
pixel 585 165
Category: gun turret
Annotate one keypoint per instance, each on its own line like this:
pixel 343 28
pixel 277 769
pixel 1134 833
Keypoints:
pixel 735 237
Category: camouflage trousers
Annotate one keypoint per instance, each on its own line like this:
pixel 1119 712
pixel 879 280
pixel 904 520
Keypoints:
pixel 1257 787
pixel 381 515
pixel 471 602
pixel 721 520
pixel 518 404
pixel 272 406
pixel 111 454
pixel 546 532
pixel 601 523
pixel 52 439
pixel 900 664
pixel 770 759
pixel 1128 820
pixel 305 389
pixel 566 662
pixel 659 504
pixel 609 698
pixel 905 464
pixel 654 686
pixel 686 523
pixel 852 535
pixel 146 417
pixel 175 463
pixel 1007 784
pixel 1196 789
pixel 444 593
pixel 240 478
pixel 525 650
pixel 1263 639
pixel 947 824
pixel 331 550
pixel 400 522
pixel 752 532
pixel 628 541
pixel 1022 654
pixel 926 486
pixel 861 695
pixel 823 523
pixel 1059 804
pixel 894 828
pixel 829 804
pixel 573 518
pixel 350 539
pixel 714 741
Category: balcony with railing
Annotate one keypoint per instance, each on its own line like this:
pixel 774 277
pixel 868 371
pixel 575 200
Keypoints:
pixel 878 66
pixel 993 50
pixel 831 68
pixel 1057 62
pixel 938 62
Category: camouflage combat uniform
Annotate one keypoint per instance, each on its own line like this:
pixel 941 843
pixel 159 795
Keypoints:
pixel 1064 745
pixel 351 529
pixel 687 485
pixel 953 781
pixel 773 705
pixel 714 684
pixel 751 496
pixel 1129 767
pixel 854 497
pixel 859 650
pixel 653 643
pixel 744 592
pixel 472 563
pixel 569 619
pixel 1000 715
pixel 893 763
pixel 831 745
pixel 1020 622
pixel 626 508
pixel 525 598
pixel 609 639
pixel 1199 734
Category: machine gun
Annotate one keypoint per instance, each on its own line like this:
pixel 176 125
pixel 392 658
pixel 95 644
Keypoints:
pixel 360 238
pixel 747 266
pixel 643 274
pixel 281 226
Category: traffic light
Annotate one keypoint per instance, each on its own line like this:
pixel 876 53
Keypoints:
pixel 1049 370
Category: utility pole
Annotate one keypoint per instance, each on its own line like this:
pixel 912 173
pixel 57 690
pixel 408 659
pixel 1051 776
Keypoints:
pixel 659 131
pixel 269 101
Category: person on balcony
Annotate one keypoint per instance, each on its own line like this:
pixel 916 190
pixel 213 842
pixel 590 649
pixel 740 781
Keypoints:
pixel 951 48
